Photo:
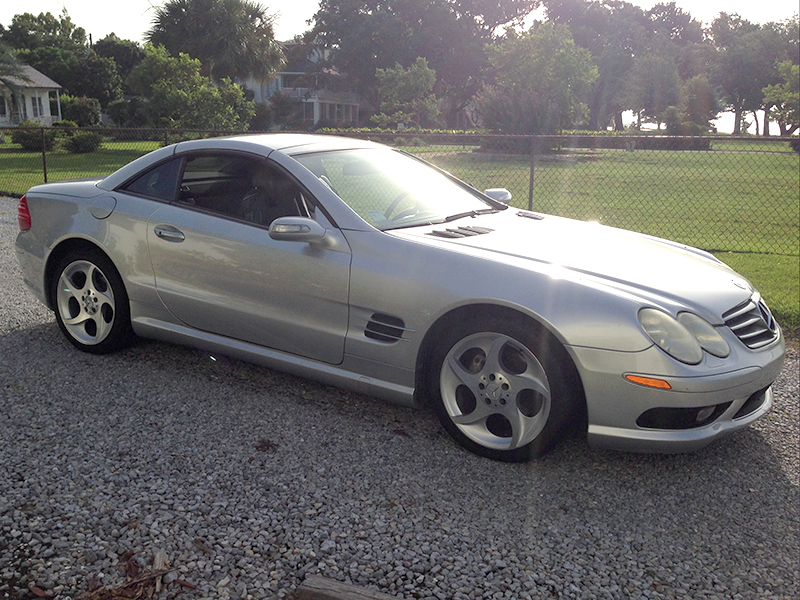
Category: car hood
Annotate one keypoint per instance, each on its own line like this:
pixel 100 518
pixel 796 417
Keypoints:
pixel 656 271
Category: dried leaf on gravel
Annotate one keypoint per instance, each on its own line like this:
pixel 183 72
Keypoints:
pixel 139 587
pixel 263 445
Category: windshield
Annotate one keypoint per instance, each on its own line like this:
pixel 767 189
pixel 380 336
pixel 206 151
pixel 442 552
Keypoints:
pixel 390 190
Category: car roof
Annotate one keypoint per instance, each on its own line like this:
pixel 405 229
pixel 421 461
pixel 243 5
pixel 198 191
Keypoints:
pixel 263 144
pixel 288 143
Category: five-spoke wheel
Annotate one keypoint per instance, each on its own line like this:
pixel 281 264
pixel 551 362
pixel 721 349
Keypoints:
pixel 495 391
pixel 501 393
pixel 90 302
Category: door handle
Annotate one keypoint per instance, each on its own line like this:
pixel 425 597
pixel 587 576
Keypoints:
pixel 169 234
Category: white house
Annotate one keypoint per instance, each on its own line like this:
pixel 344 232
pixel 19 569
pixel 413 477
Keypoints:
pixel 300 79
pixel 27 98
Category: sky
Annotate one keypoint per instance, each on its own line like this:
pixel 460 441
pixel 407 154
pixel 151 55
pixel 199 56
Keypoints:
pixel 129 19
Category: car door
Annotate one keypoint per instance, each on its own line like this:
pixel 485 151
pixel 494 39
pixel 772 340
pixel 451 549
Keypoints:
pixel 218 270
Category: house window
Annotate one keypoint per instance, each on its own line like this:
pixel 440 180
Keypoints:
pixel 290 81
pixel 38 109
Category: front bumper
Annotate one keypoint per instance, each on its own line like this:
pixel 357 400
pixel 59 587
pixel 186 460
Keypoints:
pixel 616 407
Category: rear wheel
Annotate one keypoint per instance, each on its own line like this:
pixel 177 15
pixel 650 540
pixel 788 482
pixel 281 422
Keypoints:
pixel 501 390
pixel 90 301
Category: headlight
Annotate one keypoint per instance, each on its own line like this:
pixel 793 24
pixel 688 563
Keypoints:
pixel 669 335
pixel 704 332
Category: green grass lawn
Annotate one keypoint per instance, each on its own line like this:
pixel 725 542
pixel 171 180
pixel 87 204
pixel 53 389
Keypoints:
pixel 21 170
pixel 741 200
pixel 721 144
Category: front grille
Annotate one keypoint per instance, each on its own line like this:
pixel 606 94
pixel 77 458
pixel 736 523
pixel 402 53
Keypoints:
pixel 753 323
pixel 460 232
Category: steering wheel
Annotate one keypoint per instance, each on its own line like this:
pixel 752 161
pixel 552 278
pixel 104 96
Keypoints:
pixel 393 204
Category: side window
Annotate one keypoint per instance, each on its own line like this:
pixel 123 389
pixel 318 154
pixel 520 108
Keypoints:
pixel 273 194
pixel 241 187
pixel 217 182
pixel 159 182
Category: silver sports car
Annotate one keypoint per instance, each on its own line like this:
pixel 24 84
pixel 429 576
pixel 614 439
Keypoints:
pixel 362 267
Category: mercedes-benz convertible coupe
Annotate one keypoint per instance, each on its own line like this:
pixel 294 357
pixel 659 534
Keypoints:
pixel 363 267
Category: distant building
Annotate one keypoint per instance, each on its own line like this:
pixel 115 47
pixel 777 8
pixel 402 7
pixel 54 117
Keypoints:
pixel 27 98
pixel 302 79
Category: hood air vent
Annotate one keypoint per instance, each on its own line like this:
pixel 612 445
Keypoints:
pixel 460 232
pixel 385 328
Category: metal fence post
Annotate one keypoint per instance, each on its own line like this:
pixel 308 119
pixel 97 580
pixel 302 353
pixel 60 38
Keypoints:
pixel 533 172
pixel 44 154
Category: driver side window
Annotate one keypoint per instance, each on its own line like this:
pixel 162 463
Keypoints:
pixel 241 187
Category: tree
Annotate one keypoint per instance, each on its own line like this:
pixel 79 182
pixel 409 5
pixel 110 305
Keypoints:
pixel 407 95
pixel 653 85
pixel 541 80
pixel 785 98
pixel 231 38
pixel 173 93
pixel 746 60
pixel 670 21
pixel 81 73
pixel 126 54
pixel 362 36
pixel 8 63
pixel 28 32
pixel 700 104
pixel 613 32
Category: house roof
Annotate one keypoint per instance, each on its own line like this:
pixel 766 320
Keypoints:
pixel 296 59
pixel 31 79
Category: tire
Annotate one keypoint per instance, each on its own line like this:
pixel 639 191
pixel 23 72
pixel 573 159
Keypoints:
pixel 90 302
pixel 501 389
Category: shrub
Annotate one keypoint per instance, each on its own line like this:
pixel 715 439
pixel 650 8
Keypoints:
pixel 65 128
pixel 83 111
pixel 414 141
pixel 262 118
pixel 83 143
pixel 31 135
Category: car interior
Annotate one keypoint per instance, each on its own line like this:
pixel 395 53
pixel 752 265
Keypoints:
pixel 240 187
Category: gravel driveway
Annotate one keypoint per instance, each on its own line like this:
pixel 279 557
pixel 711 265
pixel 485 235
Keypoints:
pixel 249 480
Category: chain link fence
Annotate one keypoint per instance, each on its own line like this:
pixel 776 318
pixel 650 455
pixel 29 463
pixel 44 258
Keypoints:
pixel 716 193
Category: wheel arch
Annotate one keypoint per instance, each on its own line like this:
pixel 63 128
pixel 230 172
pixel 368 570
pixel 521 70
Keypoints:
pixel 68 245
pixel 483 311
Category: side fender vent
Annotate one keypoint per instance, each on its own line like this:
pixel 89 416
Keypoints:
pixel 385 328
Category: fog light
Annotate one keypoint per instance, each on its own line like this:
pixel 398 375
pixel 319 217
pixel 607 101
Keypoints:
pixel 704 413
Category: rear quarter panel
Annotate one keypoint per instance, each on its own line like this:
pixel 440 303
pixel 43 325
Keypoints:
pixel 60 215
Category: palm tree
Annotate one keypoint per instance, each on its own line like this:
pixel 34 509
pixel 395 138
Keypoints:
pixel 9 66
pixel 231 38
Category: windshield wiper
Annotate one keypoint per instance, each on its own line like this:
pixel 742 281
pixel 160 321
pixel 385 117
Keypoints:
pixel 471 213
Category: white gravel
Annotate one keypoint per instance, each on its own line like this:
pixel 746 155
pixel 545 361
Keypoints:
pixel 250 479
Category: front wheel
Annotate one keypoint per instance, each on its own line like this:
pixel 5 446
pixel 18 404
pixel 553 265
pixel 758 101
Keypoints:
pixel 90 302
pixel 501 390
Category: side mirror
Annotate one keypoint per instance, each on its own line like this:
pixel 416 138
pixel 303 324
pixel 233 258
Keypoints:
pixel 296 229
pixel 499 194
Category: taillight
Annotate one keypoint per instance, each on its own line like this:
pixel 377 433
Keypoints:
pixel 23 214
